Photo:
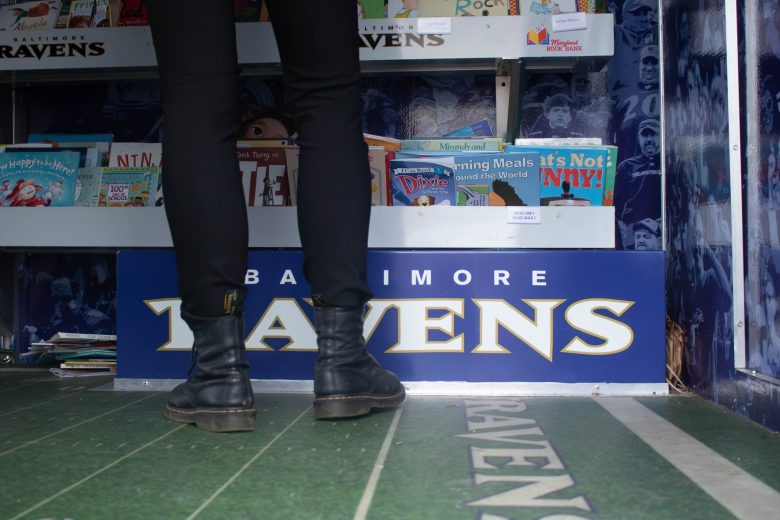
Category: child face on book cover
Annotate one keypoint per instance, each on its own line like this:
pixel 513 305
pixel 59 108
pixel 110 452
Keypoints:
pixel 265 128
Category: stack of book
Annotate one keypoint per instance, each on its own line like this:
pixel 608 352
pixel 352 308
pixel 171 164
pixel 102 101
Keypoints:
pixel 76 354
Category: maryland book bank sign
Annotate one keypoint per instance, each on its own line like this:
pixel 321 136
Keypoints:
pixel 473 316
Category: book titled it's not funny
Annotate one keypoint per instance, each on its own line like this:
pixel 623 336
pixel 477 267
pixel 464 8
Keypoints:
pixel 38 179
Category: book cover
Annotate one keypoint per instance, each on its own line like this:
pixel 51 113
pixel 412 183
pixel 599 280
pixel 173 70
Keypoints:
pixel 497 179
pixel 369 9
pixel 81 12
pixel 377 163
pixel 264 171
pixel 423 182
pixel 29 179
pixel 481 128
pixel 87 187
pixel 133 12
pixel 489 144
pixel 88 156
pixel 582 169
pixel 402 8
pixel 24 16
pixel 124 187
pixel 102 14
pixel 463 8
pixel 62 16
pixel 543 7
pixel 135 155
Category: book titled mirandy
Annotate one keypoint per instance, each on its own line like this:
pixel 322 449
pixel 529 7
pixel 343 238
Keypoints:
pixel 486 144
pixel 29 179
pixel 423 182
pixel 583 169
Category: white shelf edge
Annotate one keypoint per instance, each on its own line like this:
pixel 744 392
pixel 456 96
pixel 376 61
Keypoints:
pixel 390 228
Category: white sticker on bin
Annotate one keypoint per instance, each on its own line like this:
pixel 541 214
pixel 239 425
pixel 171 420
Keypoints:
pixel 569 22
pixel 434 25
pixel 523 215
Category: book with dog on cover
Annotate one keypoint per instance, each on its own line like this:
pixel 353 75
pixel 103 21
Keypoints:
pixel 423 182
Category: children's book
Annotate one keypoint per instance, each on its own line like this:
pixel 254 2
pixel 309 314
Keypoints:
pixel 486 144
pixel 481 128
pixel 29 179
pixel 463 8
pixel 81 12
pixel 390 144
pixel 102 14
pixel 402 8
pixel 545 7
pixel 135 155
pixel 87 187
pixel 378 165
pixel 125 187
pixel 23 16
pixel 88 156
pixel 264 173
pixel 368 9
pixel 62 16
pixel 583 169
pixel 133 12
pixel 423 182
pixel 497 179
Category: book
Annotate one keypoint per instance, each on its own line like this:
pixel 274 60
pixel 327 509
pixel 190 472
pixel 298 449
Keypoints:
pixel 264 173
pixel 24 16
pixel 463 8
pixel 423 182
pixel 582 169
pixel 402 8
pixel 487 144
pixel 497 179
pixel 102 14
pixel 88 156
pixel 78 337
pixel 100 141
pixel 558 141
pixel 546 7
pixel 263 143
pixel 133 12
pixel 135 155
pixel 81 12
pixel 388 143
pixel 125 187
pixel 87 187
pixel 30 179
pixel 481 128
pixel 370 9
pixel 378 165
pixel 62 16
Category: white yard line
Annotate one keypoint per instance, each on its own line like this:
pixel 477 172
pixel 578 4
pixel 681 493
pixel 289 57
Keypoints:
pixel 238 473
pixel 373 480
pixel 96 473
pixel 41 403
pixel 39 439
pixel 738 491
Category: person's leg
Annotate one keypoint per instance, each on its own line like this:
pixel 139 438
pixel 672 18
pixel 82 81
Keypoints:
pixel 204 202
pixel 318 45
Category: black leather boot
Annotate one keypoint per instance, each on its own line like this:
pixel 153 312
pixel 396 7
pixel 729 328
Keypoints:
pixel 218 395
pixel 348 381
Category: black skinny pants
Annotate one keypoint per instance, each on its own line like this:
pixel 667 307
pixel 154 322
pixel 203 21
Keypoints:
pixel 196 53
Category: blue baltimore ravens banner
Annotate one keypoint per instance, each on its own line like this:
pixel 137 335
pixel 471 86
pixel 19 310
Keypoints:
pixel 459 316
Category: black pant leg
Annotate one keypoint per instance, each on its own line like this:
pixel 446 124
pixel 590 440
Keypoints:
pixel 204 201
pixel 318 44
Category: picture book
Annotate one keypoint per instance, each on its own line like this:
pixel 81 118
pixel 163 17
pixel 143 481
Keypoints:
pixel 29 179
pixel 123 187
pixel 584 169
pixel 135 155
pixel 487 144
pixel 262 143
pixel 481 128
pixel 81 12
pixel 87 187
pixel 402 8
pixel 133 12
pixel 23 16
pixel 102 14
pixel 369 9
pixel 264 173
pixel 545 7
pixel 463 8
pixel 62 16
pixel 378 165
pixel 88 156
pixel 497 179
pixel 423 182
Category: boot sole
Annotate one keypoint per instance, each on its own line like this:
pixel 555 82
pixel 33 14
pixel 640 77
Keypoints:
pixel 341 407
pixel 239 420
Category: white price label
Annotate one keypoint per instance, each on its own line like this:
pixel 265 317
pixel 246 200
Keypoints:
pixel 434 25
pixel 569 22
pixel 523 215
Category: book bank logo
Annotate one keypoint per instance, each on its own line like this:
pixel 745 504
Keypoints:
pixel 539 36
